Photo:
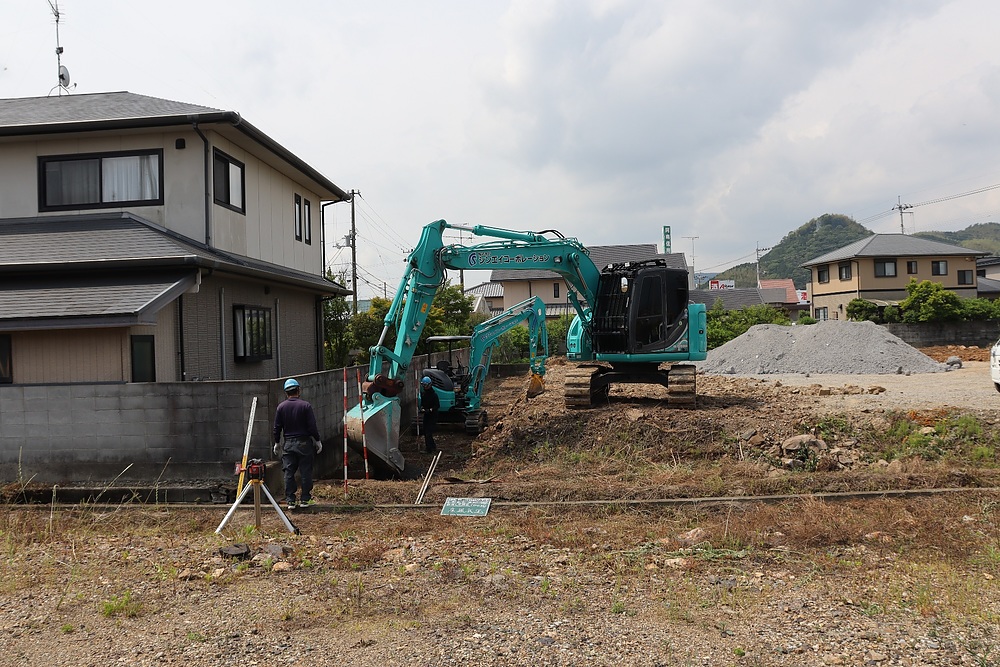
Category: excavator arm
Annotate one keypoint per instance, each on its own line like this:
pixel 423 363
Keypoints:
pixel 376 421
pixel 486 337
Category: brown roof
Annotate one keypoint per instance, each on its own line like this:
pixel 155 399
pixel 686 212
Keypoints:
pixel 787 284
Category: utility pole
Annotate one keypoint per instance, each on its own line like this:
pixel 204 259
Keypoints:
pixel 900 206
pixel 759 250
pixel 354 254
pixel 694 276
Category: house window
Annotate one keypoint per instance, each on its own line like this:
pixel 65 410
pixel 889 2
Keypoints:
pixel 229 182
pixel 143 359
pixel 307 225
pixel 555 290
pixel 939 267
pixel 252 333
pixel 6 367
pixel 298 218
pixel 965 277
pixel 911 267
pixel 885 268
pixel 845 270
pixel 822 313
pixel 100 180
pixel 823 273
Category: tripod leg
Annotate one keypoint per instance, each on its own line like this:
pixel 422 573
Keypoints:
pixel 277 508
pixel 232 510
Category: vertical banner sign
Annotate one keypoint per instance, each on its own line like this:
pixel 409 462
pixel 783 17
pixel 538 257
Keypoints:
pixel 345 434
pixel 666 240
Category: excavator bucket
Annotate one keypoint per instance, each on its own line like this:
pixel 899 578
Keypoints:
pixel 374 426
pixel 536 385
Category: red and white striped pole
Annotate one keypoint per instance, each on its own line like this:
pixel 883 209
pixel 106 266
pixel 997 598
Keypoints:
pixel 345 433
pixel 361 408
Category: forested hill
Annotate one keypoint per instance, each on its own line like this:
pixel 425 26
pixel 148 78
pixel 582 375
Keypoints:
pixel 984 236
pixel 831 231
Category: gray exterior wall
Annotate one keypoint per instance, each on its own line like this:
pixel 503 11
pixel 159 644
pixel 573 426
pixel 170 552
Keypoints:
pixel 165 431
pixel 981 334
pixel 294 330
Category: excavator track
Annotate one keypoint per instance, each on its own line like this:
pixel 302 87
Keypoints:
pixel 579 386
pixel 584 385
pixel 476 421
pixel 681 390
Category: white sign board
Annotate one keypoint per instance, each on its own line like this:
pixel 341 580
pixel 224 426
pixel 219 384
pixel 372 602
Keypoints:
pixel 721 284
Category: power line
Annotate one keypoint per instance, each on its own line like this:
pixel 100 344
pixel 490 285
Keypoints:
pixel 963 194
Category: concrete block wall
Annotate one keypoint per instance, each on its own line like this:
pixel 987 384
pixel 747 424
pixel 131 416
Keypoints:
pixel 929 334
pixel 165 431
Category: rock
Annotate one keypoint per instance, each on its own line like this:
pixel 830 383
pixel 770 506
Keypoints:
pixel 806 440
pixel 282 566
pixel 240 551
pixel 634 415
pixel 954 362
pixel 692 537
pixel 277 551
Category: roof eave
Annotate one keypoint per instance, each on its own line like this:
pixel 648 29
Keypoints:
pixel 226 117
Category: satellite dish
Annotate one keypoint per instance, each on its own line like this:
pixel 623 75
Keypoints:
pixel 63 76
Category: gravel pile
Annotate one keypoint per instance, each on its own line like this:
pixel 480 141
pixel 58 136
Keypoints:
pixel 825 347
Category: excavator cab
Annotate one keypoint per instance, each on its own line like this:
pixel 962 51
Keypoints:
pixel 641 307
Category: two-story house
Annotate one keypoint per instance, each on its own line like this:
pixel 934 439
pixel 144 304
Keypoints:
pixel 878 268
pixel 143 239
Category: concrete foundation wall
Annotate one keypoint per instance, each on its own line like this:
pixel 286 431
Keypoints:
pixel 166 431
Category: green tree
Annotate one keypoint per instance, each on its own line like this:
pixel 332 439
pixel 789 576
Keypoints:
pixel 980 309
pixel 513 345
pixel 557 330
pixel 861 309
pixel 725 325
pixel 456 309
pixel 929 301
pixel 891 315
pixel 336 327
pixel 365 329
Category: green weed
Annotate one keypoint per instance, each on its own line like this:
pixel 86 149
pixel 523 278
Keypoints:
pixel 121 605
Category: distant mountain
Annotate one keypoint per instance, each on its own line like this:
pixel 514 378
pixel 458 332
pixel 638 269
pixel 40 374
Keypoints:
pixel 817 237
pixel 831 231
pixel 984 236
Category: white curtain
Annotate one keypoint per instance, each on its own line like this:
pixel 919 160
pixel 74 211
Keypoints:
pixel 134 178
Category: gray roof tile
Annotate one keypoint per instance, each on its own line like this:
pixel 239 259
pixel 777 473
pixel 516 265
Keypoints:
pixel 893 245
pixel 93 107
pixel 107 300
pixel 489 290
pixel 121 241
pixel 732 299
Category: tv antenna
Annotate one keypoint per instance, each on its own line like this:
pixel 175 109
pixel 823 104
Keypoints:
pixel 63 73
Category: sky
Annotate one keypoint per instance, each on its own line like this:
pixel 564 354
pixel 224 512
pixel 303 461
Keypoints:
pixel 733 123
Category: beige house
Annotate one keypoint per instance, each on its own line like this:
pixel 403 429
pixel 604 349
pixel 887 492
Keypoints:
pixel 878 268
pixel 143 239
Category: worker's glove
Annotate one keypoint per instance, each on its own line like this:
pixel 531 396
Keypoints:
pixel 277 449
pixel 319 446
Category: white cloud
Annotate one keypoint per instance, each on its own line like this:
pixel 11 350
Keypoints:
pixel 605 119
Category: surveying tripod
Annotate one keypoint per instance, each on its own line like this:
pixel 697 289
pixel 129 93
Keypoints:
pixel 255 471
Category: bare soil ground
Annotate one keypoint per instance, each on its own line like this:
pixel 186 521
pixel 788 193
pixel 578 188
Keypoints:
pixel 633 533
